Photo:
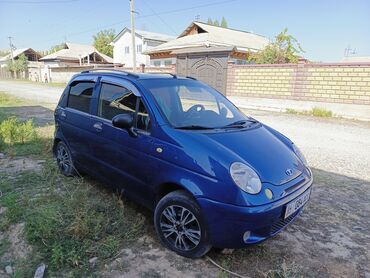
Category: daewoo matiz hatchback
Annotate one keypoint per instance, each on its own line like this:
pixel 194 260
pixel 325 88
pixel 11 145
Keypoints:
pixel 212 175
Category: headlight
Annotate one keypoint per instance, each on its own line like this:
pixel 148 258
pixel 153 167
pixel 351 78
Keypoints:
pixel 245 177
pixel 300 155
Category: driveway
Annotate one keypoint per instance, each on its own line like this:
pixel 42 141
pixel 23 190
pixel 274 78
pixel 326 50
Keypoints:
pixel 332 237
pixel 36 92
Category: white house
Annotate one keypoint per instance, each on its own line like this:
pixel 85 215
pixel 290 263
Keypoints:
pixel 144 41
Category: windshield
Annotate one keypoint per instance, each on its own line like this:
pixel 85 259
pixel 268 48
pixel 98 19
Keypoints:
pixel 190 104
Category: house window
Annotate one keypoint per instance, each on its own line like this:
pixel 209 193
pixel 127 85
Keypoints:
pixel 127 49
pixel 139 48
pixel 167 62
pixel 157 63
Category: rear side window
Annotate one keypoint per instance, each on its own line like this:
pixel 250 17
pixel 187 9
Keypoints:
pixel 80 94
pixel 114 100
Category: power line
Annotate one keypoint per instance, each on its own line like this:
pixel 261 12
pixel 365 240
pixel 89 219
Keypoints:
pixel 38 2
pixel 144 16
pixel 160 18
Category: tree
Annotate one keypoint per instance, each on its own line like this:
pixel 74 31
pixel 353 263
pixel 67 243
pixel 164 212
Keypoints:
pixel 18 65
pixel 223 23
pixel 57 47
pixel 102 41
pixel 4 53
pixel 284 49
pixel 217 23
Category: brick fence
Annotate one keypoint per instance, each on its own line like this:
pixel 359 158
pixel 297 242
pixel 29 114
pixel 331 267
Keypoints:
pixel 324 82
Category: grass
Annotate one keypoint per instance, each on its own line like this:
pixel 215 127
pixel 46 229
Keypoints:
pixel 20 137
pixel 315 111
pixel 67 220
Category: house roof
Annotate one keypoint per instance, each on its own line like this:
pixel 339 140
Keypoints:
pixel 16 53
pixel 209 35
pixel 75 51
pixel 146 35
pixel 356 59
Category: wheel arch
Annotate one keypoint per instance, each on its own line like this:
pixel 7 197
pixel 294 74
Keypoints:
pixel 168 187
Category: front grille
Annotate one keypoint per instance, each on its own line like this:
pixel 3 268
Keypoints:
pixel 280 224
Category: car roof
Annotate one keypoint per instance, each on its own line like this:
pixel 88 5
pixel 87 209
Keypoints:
pixel 130 75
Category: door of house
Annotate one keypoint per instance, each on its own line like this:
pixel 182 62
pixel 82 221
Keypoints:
pixel 211 68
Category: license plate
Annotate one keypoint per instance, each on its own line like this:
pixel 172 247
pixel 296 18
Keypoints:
pixel 296 204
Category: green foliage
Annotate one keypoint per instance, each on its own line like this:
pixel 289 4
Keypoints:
pixel 4 53
pixel 284 49
pixel 315 111
pixel 217 23
pixel 56 48
pixel 321 112
pixel 18 65
pixel 102 41
pixel 13 131
pixel 223 23
pixel 69 220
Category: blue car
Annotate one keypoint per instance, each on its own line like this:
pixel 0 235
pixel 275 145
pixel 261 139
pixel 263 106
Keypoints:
pixel 212 175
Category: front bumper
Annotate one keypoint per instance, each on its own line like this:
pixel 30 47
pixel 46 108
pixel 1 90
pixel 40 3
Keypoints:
pixel 227 223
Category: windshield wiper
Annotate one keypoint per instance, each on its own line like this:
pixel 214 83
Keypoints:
pixel 240 123
pixel 194 127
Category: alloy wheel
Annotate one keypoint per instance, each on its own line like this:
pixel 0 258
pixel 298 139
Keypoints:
pixel 63 159
pixel 180 227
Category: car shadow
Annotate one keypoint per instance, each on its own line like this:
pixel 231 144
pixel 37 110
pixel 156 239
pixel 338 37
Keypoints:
pixel 40 115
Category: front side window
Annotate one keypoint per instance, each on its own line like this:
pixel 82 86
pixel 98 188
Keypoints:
pixel 114 100
pixel 189 103
pixel 80 94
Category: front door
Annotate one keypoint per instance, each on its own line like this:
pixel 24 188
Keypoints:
pixel 121 156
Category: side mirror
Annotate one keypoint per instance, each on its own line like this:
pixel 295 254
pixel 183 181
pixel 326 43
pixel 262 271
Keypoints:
pixel 125 121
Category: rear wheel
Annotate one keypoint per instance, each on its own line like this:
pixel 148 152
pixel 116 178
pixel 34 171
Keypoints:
pixel 64 159
pixel 180 225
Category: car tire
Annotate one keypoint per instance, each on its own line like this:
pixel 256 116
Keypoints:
pixel 181 226
pixel 64 160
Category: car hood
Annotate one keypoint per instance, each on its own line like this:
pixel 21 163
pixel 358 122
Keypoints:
pixel 272 159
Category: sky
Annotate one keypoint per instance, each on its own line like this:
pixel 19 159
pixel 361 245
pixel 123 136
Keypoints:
pixel 324 28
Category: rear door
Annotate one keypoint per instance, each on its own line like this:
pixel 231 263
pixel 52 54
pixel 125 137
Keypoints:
pixel 121 156
pixel 75 120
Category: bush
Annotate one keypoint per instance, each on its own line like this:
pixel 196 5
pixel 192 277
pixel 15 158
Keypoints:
pixel 13 131
pixel 321 112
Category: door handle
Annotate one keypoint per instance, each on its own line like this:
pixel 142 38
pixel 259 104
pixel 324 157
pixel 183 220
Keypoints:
pixel 98 127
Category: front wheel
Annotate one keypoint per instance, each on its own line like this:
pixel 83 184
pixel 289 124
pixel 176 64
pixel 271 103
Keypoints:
pixel 180 225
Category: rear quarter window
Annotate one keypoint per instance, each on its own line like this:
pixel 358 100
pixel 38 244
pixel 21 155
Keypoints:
pixel 80 94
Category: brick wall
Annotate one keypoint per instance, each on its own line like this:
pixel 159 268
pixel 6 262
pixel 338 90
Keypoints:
pixel 339 82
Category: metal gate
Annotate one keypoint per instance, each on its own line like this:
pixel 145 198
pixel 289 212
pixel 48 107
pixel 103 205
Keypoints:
pixel 209 68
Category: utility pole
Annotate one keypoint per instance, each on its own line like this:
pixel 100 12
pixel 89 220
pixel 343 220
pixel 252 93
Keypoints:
pixel 11 52
pixel 132 14
pixel 11 48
